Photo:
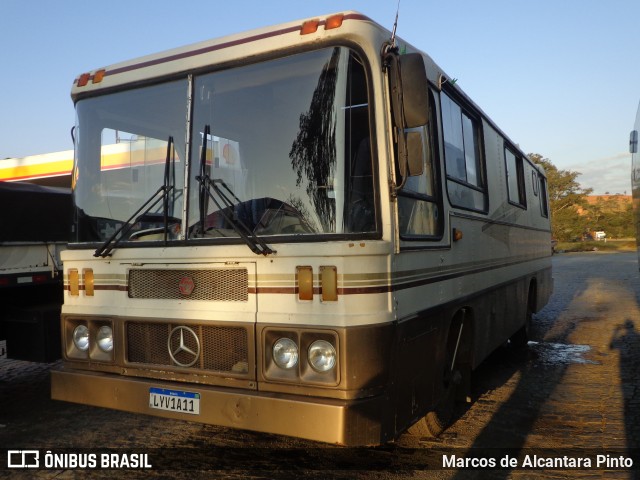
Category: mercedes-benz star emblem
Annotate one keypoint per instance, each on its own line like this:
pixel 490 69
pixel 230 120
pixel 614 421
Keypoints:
pixel 179 336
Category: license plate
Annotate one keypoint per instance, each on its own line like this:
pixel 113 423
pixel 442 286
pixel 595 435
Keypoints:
pixel 174 401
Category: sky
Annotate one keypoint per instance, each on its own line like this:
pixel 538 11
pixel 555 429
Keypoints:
pixel 560 77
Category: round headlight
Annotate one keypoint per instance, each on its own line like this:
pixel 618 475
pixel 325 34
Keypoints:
pixel 285 353
pixel 322 356
pixel 104 338
pixel 81 337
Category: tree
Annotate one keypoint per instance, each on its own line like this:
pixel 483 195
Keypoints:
pixel 613 216
pixel 566 196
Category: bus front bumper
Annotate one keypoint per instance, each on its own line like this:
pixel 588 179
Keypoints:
pixel 343 422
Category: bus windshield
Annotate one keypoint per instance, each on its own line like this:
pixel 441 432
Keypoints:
pixel 276 148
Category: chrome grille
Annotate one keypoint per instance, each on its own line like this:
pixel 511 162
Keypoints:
pixel 225 285
pixel 223 349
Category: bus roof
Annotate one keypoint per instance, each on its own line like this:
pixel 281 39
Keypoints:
pixel 233 49
pixel 223 50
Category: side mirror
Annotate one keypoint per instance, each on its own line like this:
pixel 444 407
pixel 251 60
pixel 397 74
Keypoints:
pixel 633 141
pixel 413 151
pixel 410 105
pixel 414 96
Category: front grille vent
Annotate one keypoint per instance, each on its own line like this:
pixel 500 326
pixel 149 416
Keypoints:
pixel 223 349
pixel 224 285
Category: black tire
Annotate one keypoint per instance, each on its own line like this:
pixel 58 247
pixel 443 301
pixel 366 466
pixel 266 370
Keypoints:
pixel 439 419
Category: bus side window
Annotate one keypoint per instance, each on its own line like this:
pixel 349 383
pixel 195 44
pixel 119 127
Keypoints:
pixel 419 201
pixel 361 207
pixel 544 207
pixel 515 178
pixel 466 183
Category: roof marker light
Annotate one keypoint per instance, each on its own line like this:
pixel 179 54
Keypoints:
pixel 98 76
pixel 83 79
pixel 334 21
pixel 310 26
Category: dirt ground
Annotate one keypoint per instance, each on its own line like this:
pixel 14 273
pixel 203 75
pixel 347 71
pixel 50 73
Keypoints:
pixel 575 393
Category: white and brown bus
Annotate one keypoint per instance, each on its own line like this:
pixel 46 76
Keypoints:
pixel 306 230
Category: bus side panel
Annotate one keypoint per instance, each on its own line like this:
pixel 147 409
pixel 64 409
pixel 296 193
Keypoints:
pixel 418 365
pixel 498 315
pixel 544 288
pixel 491 317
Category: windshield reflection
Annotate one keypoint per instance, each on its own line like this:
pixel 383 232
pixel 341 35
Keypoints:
pixel 286 142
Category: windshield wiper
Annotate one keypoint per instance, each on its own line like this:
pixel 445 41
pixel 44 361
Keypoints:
pixel 161 194
pixel 224 203
pixel 226 209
